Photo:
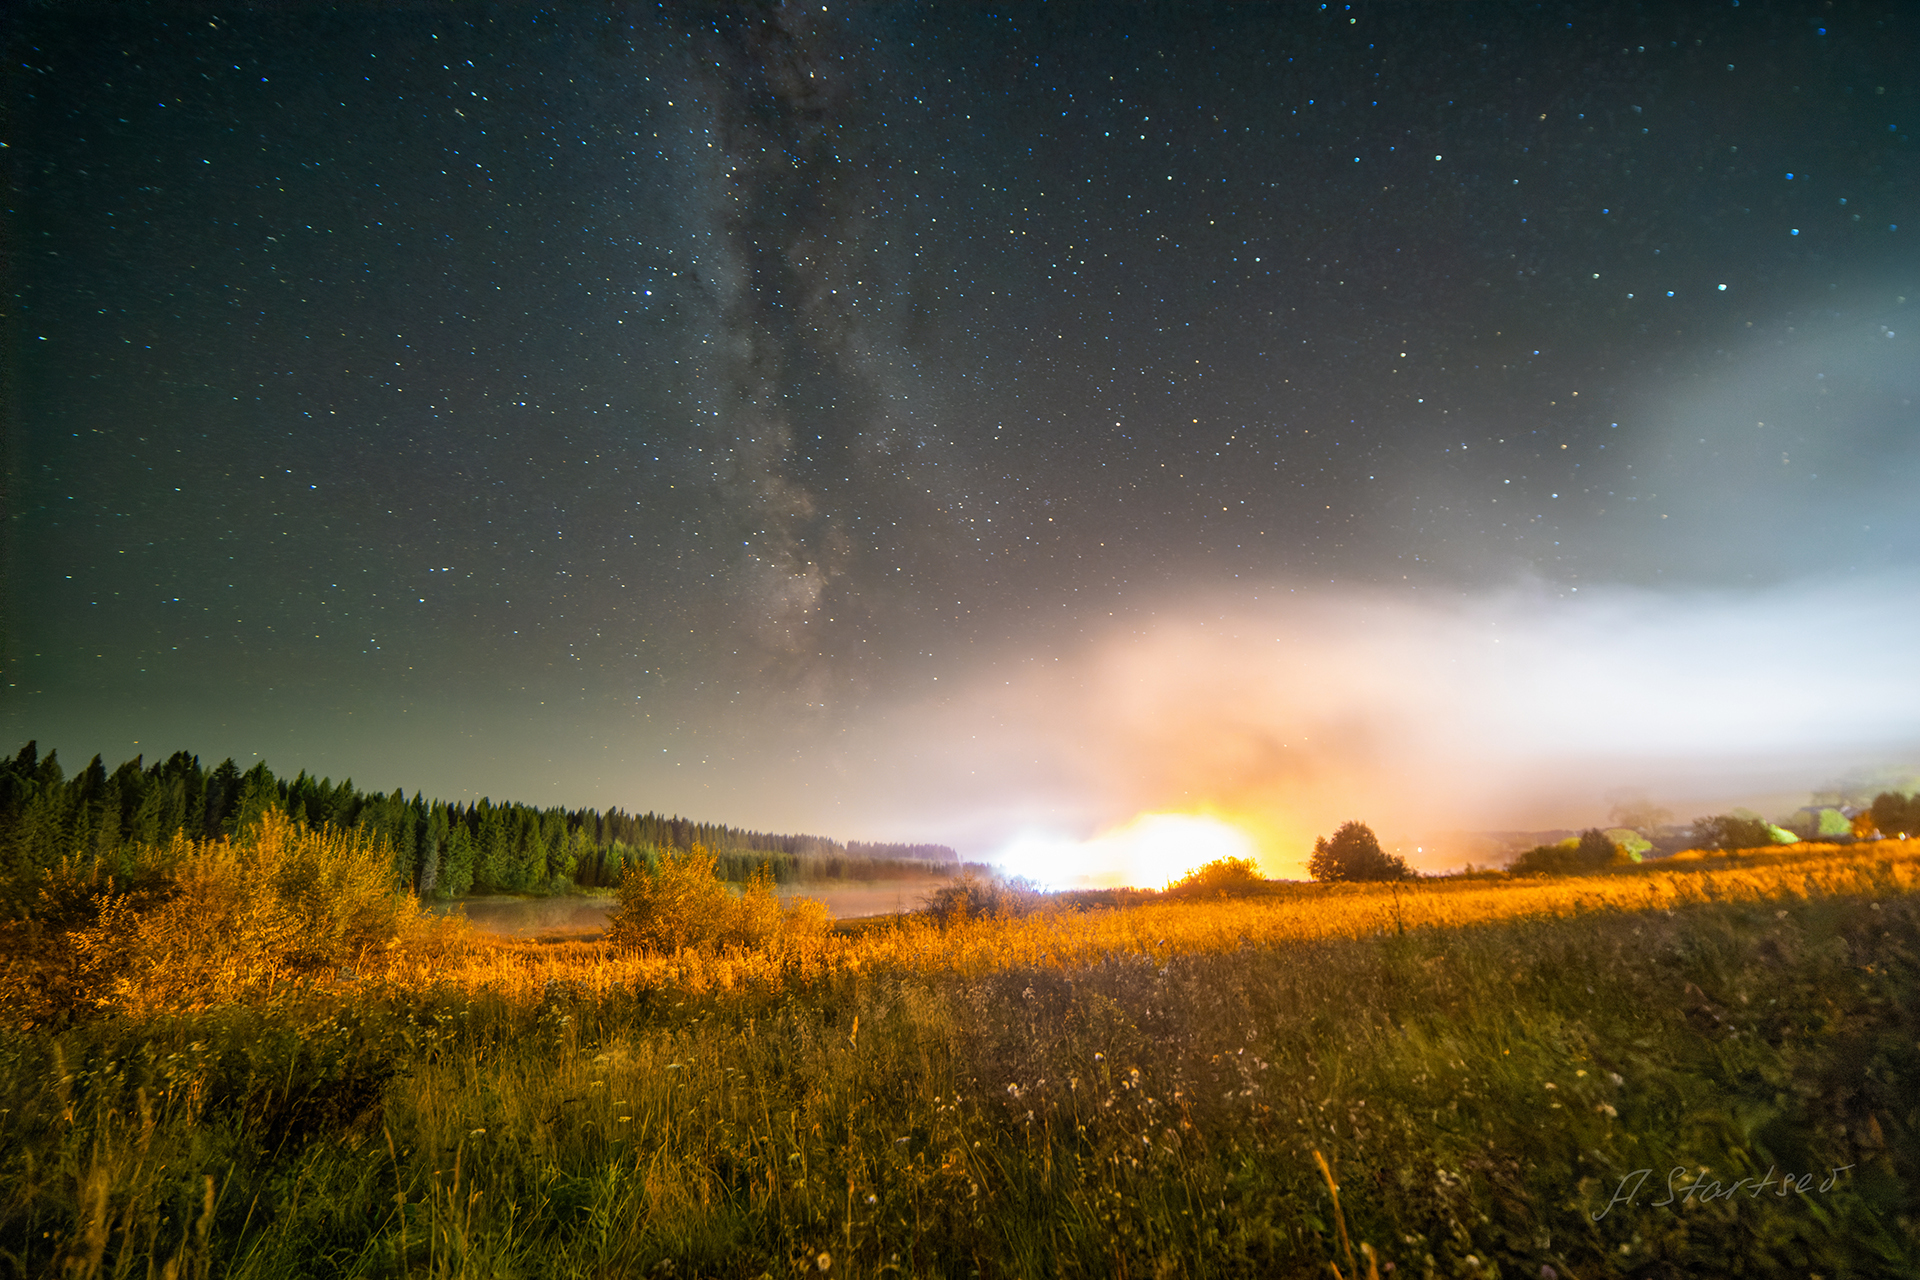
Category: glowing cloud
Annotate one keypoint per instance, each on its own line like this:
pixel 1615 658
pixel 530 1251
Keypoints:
pixel 1294 712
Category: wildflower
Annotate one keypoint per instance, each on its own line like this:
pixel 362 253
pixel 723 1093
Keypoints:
pixel 824 1261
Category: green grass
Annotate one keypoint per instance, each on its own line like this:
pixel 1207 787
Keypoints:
pixel 1480 1092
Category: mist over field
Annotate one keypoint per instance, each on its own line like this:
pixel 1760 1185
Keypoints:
pixel 1293 711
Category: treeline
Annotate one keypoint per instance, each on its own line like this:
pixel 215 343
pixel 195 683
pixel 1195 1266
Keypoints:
pixel 440 849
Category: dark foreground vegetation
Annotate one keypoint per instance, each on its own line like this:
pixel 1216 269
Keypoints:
pixel 1722 1087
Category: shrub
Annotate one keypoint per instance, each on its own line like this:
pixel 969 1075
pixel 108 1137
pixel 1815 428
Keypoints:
pixel 682 902
pixel 1223 877
pixel 1591 850
pixel 1354 853
pixel 677 903
pixel 977 897
pixel 1732 831
pixel 208 922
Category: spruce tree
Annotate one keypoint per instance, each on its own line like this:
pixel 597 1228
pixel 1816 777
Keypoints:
pixel 456 868
pixel 493 851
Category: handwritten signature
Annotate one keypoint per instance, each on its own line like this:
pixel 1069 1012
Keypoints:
pixel 1680 1190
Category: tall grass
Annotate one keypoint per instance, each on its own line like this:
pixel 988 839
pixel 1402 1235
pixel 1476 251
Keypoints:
pixel 1136 1093
pixel 979 943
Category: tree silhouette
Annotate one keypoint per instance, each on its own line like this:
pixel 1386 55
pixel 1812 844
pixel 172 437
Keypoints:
pixel 1895 814
pixel 1590 851
pixel 1732 831
pixel 1354 853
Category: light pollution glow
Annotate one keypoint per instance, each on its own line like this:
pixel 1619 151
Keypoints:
pixel 1292 711
pixel 1765 650
pixel 1153 849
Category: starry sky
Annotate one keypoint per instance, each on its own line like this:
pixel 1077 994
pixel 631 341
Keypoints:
pixel 943 422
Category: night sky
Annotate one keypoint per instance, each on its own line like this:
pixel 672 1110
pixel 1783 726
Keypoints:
pixel 944 422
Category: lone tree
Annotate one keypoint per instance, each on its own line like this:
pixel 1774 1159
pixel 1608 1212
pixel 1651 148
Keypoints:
pixel 1354 853
pixel 1896 815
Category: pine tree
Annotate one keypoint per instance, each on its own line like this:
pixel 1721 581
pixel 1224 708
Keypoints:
pixel 456 869
pixel 493 851
pixel 223 797
pixel 258 793
pixel 108 829
pixel 151 815
pixel 86 808
pixel 433 844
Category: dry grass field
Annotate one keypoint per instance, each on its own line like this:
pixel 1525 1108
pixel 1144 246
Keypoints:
pixel 243 1075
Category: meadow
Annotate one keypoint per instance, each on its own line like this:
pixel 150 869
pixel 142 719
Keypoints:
pixel 1464 1077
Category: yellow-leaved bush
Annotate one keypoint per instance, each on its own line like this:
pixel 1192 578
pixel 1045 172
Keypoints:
pixel 682 904
pixel 218 920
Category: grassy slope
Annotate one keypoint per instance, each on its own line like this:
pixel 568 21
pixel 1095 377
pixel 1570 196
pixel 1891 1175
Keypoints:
pixel 1134 1093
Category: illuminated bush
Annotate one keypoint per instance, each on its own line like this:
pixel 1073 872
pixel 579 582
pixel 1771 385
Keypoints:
pixel 678 903
pixel 197 923
pixel 1228 876
pixel 683 904
pixel 975 897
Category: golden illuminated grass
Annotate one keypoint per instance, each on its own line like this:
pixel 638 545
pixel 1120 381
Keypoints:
pixel 1145 1091
pixel 1076 939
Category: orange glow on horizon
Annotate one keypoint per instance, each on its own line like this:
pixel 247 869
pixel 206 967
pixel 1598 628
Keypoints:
pixel 1149 851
